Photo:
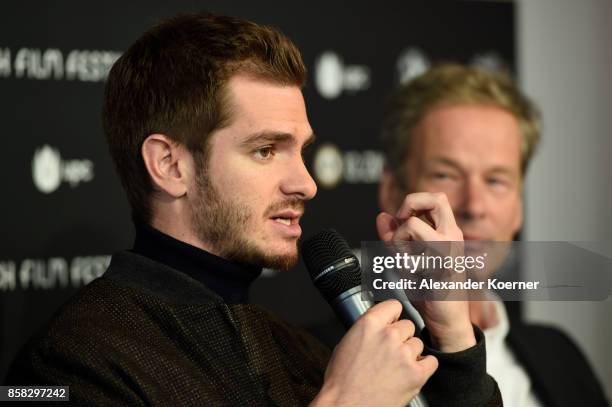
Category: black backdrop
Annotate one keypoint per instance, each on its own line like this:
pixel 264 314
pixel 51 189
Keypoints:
pixel 63 210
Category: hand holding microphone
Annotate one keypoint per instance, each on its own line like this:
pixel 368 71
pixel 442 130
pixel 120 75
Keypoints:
pixel 378 361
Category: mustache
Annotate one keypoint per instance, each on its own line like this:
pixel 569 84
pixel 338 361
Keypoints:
pixel 293 203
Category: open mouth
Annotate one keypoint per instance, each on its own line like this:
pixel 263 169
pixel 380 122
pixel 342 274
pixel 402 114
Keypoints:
pixel 285 221
pixel 288 222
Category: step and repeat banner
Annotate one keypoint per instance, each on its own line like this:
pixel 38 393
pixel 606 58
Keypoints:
pixel 63 210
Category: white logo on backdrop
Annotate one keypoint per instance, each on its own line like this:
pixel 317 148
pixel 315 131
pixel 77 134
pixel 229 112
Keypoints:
pixel 46 169
pixel 53 64
pixel 411 63
pixel 49 170
pixel 488 60
pixel 332 76
pixel 330 166
pixel 363 167
pixel 5 62
pixel 327 165
pixel 52 273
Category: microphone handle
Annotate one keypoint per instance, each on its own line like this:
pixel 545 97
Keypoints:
pixel 349 306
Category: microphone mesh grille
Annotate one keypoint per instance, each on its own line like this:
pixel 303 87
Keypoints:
pixel 321 251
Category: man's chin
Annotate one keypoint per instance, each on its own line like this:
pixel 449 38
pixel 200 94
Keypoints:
pixel 257 256
pixel 281 255
pixel 282 262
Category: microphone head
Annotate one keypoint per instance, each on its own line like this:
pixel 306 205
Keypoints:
pixel 333 267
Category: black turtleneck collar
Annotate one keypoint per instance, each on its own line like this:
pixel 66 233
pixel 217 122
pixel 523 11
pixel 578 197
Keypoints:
pixel 231 281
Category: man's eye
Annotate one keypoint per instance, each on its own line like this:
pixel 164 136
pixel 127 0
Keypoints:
pixel 497 182
pixel 264 152
pixel 441 175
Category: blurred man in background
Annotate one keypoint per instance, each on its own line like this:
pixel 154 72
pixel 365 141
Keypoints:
pixel 470 134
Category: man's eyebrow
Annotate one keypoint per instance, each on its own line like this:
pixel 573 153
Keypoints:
pixel 452 163
pixel 446 161
pixel 267 136
pixel 504 171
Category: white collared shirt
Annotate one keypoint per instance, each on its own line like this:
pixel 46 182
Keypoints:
pixel 513 381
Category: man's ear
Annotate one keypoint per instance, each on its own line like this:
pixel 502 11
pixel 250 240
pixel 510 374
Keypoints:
pixel 165 161
pixel 390 194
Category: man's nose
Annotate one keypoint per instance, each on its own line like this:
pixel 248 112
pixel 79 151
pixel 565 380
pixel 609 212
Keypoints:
pixel 298 181
pixel 473 200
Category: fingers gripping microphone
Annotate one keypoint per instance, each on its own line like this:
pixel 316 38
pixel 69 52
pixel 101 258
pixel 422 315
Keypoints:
pixel 336 273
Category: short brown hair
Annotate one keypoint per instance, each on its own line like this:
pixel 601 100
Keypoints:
pixel 172 81
pixel 452 84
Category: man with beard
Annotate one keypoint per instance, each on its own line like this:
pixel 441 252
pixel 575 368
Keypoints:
pixel 469 134
pixel 206 124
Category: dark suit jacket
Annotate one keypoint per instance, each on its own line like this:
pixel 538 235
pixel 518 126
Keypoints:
pixel 558 370
pixel 146 334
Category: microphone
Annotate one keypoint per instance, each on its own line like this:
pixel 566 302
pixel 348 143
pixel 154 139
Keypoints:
pixel 336 273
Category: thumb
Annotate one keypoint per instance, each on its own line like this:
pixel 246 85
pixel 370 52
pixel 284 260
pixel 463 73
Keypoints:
pixel 386 225
pixel 429 364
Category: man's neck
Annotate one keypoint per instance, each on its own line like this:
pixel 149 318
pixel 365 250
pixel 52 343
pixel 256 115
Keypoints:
pixel 179 230
pixel 228 279
pixel 483 314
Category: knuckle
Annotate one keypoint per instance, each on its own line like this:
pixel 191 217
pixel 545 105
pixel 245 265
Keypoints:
pixel 396 304
pixel 412 222
pixel 416 342
pixel 407 357
pixel 418 345
pixel 441 196
pixel 435 363
pixel 409 327
pixel 391 334
pixel 366 322
pixel 426 370
pixel 392 306
pixel 411 348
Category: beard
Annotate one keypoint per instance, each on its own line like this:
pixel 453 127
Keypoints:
pixel 226 224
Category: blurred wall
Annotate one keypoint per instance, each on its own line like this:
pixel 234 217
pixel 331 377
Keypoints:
pixel 565 63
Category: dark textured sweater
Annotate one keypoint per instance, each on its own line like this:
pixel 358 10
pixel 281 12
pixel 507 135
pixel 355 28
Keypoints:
pixel 149 334
pixel 145 334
